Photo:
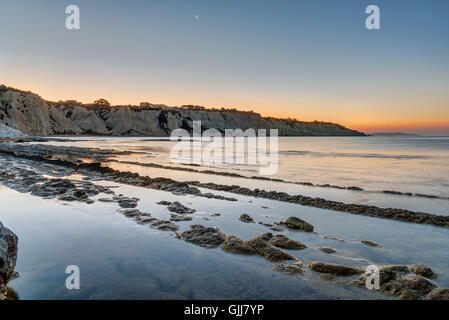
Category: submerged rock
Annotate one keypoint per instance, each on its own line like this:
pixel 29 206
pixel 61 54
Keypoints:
pixel 277 226
pixel 438 294
pixel 289 268
pixel 296 223
pixel 130 212
pixel 8 257
pixel 283 242
pixel 246 218
pixel 126 202
pixel 327 250
pixel 180 217
pixel 164 225
pixel 336 269
pixel 234 244
pixel 206 237
pixel 371 244
pixel 144 219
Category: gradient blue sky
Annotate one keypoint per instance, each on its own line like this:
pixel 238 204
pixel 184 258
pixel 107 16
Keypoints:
pixel 313 60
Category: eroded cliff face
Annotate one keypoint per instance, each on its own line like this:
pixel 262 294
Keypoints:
pixel 29 113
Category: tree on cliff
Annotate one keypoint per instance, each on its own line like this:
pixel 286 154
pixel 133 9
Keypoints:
pixel 102 102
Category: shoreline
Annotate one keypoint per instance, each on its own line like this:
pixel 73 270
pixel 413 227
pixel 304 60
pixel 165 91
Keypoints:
pixel 69 174
pixel 59 156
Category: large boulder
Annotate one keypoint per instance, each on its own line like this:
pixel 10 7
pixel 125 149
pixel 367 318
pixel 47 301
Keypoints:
pixel 8 257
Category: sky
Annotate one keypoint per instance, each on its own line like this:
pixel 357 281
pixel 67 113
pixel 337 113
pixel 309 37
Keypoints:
pixel 310 60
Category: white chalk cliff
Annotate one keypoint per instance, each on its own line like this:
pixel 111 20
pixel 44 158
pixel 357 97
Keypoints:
pixel 32 115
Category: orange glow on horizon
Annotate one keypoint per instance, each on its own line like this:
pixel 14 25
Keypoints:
pixel 349 115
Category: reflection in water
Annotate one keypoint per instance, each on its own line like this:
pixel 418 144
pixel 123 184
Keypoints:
pixel 417 165
pixel 119 259
pixel 12 294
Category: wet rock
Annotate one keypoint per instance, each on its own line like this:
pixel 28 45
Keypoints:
pixel 266 250
pixel 8 257
pixel 265 236
pixel 179 208
pixel 246 218
pixel 327 250
pixel 336 269
pixel 411 287
pixel 333 238
pixel 395 268
pixel 371 244
pixel 53 188
pixel 289 268
pixel 130 213
pixel 126 202
pixel 278 227
pixel 400 281
pixel 327 276
pixel 422 270
pixel 144 219
pixel 234 244
pixel 164 203
pixel 164 225
pixel 206 237
pixel 359 209
pixel 180 217
pixel 269 225
pixel 283 242
pixel 438 294
pixel 75 195
pixel 105 200
pixel 354 188
pixel 296 223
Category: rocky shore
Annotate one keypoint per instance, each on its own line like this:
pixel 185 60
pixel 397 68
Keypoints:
pixel 8 257
pixel 304 183
pixel 71 158
pixel 45 171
